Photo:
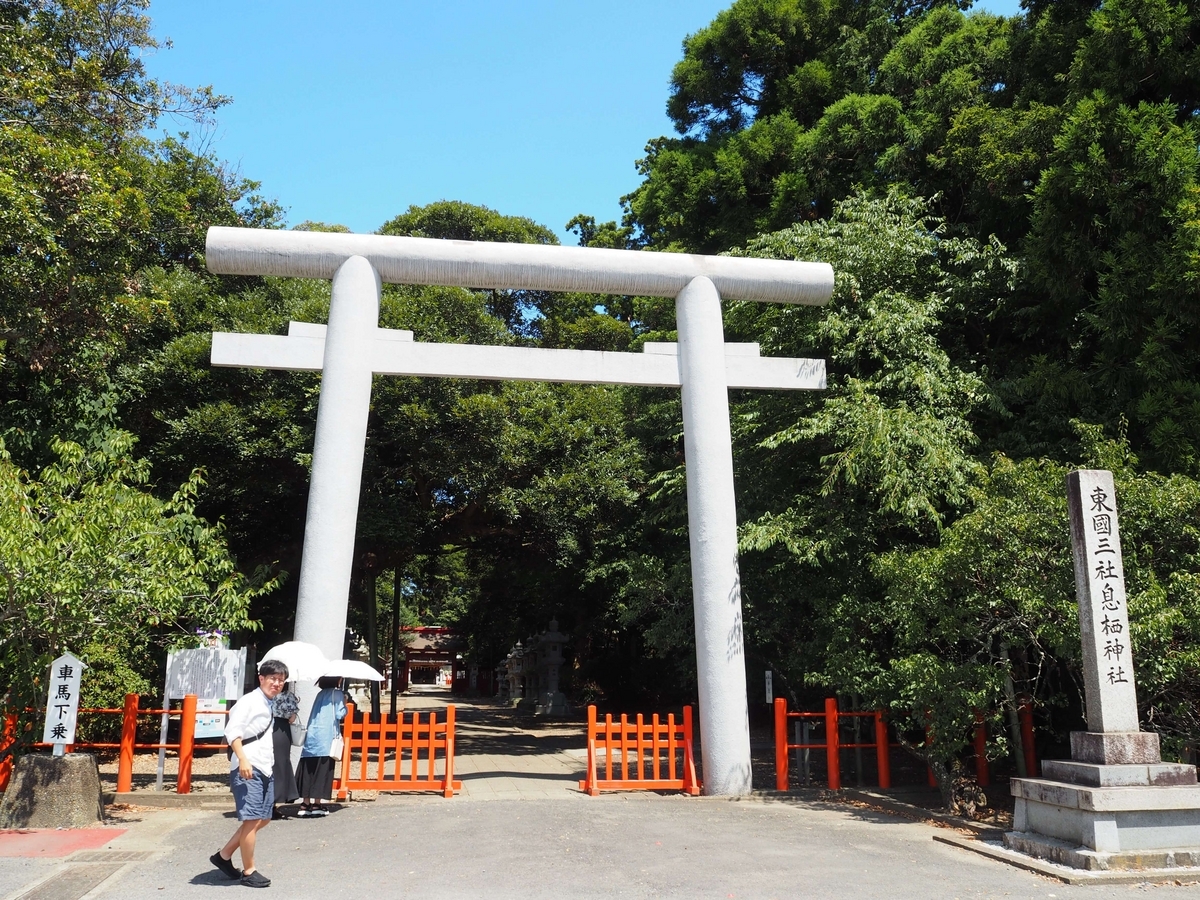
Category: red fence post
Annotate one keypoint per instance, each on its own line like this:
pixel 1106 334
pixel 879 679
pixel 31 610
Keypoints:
pixel 982 776
pixel 448 787
pixel 833 760
pixel 691 784
pixel 781 747
pixel 128 738
pixel 10 738
pixel 883 757
pixel 589 782
pixel 1025 714
pixel 187 742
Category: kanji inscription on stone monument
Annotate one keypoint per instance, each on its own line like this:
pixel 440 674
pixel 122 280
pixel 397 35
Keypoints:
pixel 62 702
pixel 1100 587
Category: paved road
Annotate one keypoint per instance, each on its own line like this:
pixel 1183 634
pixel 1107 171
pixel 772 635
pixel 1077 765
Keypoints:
pixel 611 846
pixel 528 833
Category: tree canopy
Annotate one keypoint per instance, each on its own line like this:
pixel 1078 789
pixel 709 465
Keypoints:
pixel 93 564
pixel 1068 132
pixel 1010 205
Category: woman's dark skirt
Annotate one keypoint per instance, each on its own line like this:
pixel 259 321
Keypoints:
pixel 285 781
pixel 316 777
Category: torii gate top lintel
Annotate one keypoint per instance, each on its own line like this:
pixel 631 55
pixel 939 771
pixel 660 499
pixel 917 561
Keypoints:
pixel 484 264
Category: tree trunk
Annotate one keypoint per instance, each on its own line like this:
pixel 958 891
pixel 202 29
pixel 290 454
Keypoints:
pixel 372 633
pixel 397 651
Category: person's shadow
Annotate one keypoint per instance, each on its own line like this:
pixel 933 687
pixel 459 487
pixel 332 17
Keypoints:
pixel 215 878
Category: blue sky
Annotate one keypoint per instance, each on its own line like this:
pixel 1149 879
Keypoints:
pixel 351 112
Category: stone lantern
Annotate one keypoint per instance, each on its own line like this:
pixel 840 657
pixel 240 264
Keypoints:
pixel 550 700
pixel 516 672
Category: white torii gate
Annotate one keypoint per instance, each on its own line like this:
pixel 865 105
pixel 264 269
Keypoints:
pixel 352 348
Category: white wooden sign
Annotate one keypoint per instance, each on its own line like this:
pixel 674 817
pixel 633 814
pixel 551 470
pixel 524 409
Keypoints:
pixel 214 675
pixel 210 672
pixel 62 703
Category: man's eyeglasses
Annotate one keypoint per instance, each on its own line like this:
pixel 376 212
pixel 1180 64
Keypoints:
pixel 274 679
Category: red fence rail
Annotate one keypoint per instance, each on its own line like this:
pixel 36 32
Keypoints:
pixel 832 745
pixel 662 757
pixel 128 744
pixel 400 737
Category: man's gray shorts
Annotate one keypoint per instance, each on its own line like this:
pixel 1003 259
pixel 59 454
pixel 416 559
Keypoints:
pixel 252 796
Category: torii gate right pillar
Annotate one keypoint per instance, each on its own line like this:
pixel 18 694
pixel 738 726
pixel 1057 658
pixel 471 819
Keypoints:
pixel 712 530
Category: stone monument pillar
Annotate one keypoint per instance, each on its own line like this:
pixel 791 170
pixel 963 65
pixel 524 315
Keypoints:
pixel 1115 804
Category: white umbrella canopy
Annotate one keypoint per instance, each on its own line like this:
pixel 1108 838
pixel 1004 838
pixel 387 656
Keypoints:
pixel 305 661
pixel 351 669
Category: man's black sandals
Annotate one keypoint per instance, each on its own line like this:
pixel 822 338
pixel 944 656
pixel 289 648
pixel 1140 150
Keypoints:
pixel 226 866
pixel 256 879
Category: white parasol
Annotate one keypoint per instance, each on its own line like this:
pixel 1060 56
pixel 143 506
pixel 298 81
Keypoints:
pixel 305 662
pixel 351 669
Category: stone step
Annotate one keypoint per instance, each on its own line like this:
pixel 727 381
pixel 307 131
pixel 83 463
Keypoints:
pixel 1107 799
pixel 1098 775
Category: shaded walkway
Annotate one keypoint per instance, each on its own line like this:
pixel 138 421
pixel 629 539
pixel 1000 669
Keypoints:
pixel 505 755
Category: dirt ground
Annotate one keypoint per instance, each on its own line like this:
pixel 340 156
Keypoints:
pixel 210 770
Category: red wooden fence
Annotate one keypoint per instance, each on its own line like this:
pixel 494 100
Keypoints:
pixel 127 746
pixel 662 757
pixel 404 741
pixel 832 745
pixel 9 738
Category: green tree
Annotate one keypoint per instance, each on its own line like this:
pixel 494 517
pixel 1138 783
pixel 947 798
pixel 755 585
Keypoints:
pixel 1067 131
pixel 94 218
pixel 87 202
pixel 995 600
pixel 94 564
pixel 881 460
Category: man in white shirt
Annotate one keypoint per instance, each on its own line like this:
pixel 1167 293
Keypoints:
pixel 251 763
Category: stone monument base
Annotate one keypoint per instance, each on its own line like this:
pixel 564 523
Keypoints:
pixel 53 792
pixel 1066 853
pixel 1115 805
pixel 553 704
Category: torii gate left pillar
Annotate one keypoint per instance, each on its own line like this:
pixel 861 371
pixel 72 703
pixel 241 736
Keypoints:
pixel 352 349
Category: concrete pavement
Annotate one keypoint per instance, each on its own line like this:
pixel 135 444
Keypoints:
pixel 522 829
pixel 611 846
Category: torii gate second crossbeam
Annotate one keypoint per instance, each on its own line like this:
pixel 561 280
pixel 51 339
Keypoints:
pixel 352 348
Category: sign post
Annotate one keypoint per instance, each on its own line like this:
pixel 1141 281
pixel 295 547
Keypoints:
pixel 61 790
pixel 62 704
